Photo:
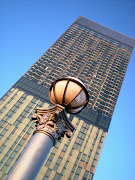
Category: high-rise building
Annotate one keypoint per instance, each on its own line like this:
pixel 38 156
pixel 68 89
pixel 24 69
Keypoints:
pixel 96 55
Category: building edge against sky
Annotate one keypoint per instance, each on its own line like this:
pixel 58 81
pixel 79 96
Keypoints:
pixel 96 55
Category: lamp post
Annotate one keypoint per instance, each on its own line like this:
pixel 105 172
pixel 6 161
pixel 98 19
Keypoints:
pixel 68 95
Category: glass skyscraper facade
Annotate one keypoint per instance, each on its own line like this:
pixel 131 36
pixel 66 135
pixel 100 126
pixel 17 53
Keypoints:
pixel 96 55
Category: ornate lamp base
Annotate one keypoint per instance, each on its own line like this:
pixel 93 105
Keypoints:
pixel 52 124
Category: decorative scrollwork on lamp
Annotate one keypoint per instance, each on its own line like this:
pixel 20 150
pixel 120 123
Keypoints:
pixel 53 122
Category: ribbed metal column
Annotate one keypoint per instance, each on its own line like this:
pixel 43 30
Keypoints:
pixel 32 159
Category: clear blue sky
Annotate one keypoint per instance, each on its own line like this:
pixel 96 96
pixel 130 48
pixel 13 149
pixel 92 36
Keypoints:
pixel 30 27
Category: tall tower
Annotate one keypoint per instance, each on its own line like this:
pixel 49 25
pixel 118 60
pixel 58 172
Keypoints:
pixel 96 55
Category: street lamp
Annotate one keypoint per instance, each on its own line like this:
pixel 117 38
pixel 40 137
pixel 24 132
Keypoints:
pixel 68 95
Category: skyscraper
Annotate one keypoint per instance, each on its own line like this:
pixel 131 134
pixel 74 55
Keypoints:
pixel 96 55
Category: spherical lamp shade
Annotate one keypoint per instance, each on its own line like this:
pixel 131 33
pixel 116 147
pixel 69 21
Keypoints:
pixel 69 92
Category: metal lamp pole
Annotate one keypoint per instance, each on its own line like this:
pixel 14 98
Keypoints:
pixel 52 124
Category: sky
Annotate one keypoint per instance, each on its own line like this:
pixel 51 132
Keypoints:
pixel 30 27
